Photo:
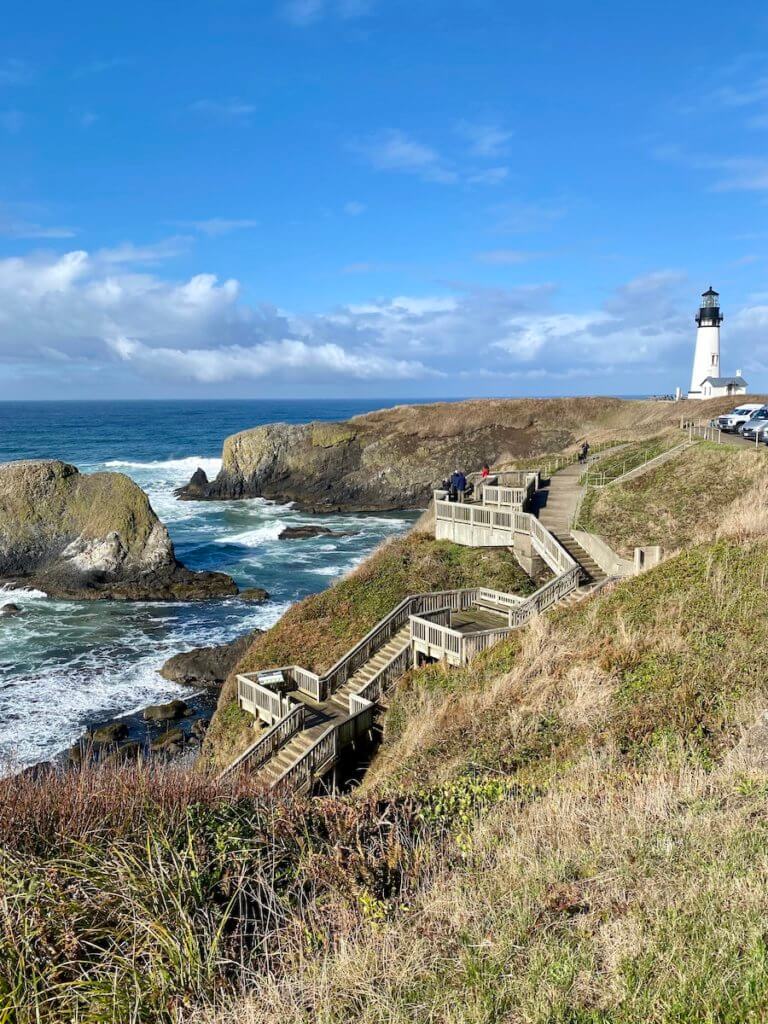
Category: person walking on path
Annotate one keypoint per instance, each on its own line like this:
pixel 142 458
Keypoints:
pixel 584 453
pixel 459 484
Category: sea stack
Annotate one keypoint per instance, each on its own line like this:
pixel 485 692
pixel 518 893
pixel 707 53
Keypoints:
pixel 90 536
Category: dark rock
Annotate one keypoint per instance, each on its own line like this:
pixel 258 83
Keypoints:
pixel 110 733
pixel 207 666
pixel 126 752
pixel 197 485
pixel 200 727
pixel 10 609
pixel 304 532
pixel 256 595
pixel 166 712
pixel 169 742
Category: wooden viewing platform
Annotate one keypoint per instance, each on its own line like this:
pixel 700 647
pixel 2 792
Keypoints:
pixel 312 718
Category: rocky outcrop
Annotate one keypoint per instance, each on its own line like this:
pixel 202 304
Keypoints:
pixel 393 458
pixel 90 536
pixel 207 666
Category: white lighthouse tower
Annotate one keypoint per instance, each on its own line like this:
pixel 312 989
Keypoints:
pixel 706 360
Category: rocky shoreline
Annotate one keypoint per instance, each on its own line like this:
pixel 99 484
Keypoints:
pixel 171 730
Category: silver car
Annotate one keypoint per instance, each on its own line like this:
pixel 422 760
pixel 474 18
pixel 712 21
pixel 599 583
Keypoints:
pixel 755 424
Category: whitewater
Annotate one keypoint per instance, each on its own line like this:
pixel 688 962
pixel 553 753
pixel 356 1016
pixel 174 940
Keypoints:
pixel 65 665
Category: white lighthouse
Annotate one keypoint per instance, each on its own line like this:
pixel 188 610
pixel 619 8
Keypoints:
pixel 706 360
pixel 706 381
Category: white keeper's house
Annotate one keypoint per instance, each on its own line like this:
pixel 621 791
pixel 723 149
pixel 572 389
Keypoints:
pixel 706 381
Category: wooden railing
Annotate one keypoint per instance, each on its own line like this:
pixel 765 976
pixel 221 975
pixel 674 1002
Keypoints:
pixel 269 742
pixel 429 618
pixel 262 701
pixel 550 549
pixel 387 674
pixel 497 599
pixel 545 597
pixel 324 752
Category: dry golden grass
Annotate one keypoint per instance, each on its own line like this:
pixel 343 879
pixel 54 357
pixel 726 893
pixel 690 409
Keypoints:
pixel 707 491
pixel 613 898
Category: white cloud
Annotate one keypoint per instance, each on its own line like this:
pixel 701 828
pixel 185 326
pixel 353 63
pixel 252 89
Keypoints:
pixel 485 139
pixel 156 252
pixel 506 257
pixel 307 12
pixel 83 311
pixel 225 110
pixel 741 174
pixel 490 176
pixel 354 209
pixel 13 228
pixel 396 151
pixel 520 217
pixel 215 226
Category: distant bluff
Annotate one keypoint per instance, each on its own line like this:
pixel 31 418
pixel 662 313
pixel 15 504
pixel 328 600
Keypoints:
pixel 90 536
pixel 393 458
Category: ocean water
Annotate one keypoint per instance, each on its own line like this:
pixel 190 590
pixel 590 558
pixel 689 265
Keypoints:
pixel 67 664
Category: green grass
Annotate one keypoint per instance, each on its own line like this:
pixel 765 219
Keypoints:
pixel 632 455
pixel 679 652
pixel 316 632
pixel 680 501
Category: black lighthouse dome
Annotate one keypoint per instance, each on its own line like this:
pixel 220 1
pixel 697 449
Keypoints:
pixel 709 314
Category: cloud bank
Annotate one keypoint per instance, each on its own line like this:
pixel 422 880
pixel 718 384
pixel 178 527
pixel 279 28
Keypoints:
pixel 92 313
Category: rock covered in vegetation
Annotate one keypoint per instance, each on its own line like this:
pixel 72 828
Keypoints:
pixel 207 666
pixel 90 536
pixel 393 458
pixel 255 595
pixel 166 712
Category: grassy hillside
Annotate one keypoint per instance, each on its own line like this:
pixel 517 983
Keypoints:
pixel 572 830
pixel 316 632
pixel 686 499
pixel 618 872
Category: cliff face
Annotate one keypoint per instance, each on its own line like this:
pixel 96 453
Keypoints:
pixel 393 458
pixel 90 536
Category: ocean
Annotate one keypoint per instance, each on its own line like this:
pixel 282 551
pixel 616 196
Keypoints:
pixel 66 664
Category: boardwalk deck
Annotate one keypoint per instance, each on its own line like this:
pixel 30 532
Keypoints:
pixel 309 733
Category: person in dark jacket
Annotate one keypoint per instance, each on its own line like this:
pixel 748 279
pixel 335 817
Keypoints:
pixel 584 453
pixel 459 484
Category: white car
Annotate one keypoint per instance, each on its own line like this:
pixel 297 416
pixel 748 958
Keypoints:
pixel 738 417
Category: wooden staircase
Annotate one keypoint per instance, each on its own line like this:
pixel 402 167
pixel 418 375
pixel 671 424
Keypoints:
pixel 335 709
pixel 399 642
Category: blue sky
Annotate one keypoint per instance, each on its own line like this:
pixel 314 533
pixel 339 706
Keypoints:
pixel 378 197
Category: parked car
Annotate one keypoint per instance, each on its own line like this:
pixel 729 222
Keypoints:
pixel 755 424
pixel 737 417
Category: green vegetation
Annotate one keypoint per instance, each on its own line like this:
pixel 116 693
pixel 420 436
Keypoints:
pixel 685 499
pixel 41 501
pixel 316 632
pixel 674 653
pixel 632 455
pixel 573 829
pixel 327 435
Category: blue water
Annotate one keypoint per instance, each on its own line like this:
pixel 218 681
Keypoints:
pixel 66 664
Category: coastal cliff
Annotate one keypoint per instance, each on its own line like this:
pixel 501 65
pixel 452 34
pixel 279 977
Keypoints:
pixel 392 459
pixel 90 536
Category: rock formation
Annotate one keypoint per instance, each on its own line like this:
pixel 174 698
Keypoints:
pixel 93 536
pixel 207 666
pixel 392 459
